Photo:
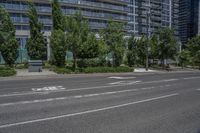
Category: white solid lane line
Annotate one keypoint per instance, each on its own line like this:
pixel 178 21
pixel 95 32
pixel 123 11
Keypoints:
pixel 121 77
pixel 71 97
pixel 192 78
pixel 86 112
pixel 198 89
pixel 124 82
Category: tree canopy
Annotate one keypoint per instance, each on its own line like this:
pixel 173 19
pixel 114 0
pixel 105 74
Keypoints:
pixel 113 36
pixel 8 42
pixel 37 44
pixel 167 44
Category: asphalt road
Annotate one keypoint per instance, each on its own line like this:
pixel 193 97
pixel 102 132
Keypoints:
pixel 149 103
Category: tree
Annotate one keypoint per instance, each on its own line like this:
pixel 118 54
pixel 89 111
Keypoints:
pixel 184 57
pixel 57 16
pixel 153 54
pixel 8 42
pixel 167 45
pixel 81 42
pixel 132 51
pixel 103 52
pixel 58 40
pixel 37 44
pixel 194 48
pixel 113 36
pixel 141 46
pixel 89 48
pixel 74 35
pixel 59 47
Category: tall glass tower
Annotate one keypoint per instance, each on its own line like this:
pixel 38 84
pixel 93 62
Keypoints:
pixel 189 19
pixel 161 13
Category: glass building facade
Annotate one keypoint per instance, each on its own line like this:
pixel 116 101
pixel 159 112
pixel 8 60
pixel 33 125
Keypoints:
pixel 161 13
pixel 98 12
pixel 189 19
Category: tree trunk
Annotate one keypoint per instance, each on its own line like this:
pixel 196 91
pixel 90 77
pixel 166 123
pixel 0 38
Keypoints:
pixel 113 59
pixel 75 61
pixel 163 63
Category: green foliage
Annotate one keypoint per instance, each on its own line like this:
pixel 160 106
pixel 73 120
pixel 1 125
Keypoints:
pixel 59 47
pixel 74 35
pixel 9 51
pixel 167 45
pixel 82 43
pixel 62 70
pixel 184 57
pixel 83 63
pixel 113 37
pixel 8 42
pixel 37 44
pixel 141 47
pixel 154 49
pixel 89 48
pixel 57 16
pixel 7 71
pixel 6 25
pixel 194 48
pixel 103 52
pixel 132 51
pixel 68 70
pixel 107 69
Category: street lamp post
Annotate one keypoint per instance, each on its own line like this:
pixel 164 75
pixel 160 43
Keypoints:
pixel 148 36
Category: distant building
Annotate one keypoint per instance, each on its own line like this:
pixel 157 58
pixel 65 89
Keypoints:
pixel 189 25
pixel 162 13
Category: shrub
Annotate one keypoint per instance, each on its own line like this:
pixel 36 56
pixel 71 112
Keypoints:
pixel 7 71
pixel 107 69
pixel 88 63
pixel 21 66
pixel 62 70
pixel 69 70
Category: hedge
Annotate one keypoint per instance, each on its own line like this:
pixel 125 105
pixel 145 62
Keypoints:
pixel 107 69
pixel 7 71
pixel 62 70
pixel 94 70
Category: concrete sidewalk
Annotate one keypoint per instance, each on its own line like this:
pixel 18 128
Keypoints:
pixel 24 72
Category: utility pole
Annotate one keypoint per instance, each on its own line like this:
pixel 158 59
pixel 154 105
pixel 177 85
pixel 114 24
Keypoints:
pixel 148 15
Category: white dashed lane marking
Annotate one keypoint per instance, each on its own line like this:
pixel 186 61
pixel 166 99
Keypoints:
pixel 121 77
pixel 124 82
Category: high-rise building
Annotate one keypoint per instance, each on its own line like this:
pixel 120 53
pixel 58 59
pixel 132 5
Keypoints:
pixel 153 14
pixel 98 12
pixel 189 19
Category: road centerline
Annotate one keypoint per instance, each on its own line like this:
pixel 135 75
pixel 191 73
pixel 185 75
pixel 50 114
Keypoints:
pixel 87 112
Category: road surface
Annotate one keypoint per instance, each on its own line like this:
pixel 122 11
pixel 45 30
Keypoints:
pixel 149 103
